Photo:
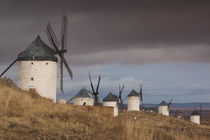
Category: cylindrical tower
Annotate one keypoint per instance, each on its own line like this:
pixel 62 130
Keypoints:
pixel 83 97
pixel 133 101
pixel 195 117
pixel 111 101
pixel 163 108
pixel 37 69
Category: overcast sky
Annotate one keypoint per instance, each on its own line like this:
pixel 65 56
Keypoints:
pixel 164 44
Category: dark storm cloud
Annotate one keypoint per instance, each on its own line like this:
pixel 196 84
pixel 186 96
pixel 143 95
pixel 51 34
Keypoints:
pixel 108 31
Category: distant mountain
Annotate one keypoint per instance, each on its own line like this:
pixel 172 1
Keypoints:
pixel 183 105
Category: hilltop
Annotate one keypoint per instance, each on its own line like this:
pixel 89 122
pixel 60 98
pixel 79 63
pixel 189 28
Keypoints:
pixel 26 115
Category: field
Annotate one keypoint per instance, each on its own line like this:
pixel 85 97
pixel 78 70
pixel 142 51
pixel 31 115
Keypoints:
pixel 26 115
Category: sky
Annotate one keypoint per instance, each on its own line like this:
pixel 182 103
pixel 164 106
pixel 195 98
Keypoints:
pixel 162 44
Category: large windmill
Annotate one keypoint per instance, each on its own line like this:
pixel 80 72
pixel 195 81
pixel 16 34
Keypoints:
pixel 63 49
pixel 37 64
pixel 95 91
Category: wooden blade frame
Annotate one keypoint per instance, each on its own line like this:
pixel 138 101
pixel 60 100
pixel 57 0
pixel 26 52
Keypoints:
pixel 70 100
pixel 120 94
pixel 64 28
pixel 99 79
pixel 141 94
pixel 52 38
pixel 61 80
pixel 60 54
pixel 8 68
pixel 91 83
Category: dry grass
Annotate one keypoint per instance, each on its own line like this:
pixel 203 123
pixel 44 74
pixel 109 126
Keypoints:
pixel 26 115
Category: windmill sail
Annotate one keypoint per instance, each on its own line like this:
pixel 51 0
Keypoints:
pixel 64 28
pixel 95 92
pixel 119 100
pixel 141 94
pixel 8 68
pixel 55 44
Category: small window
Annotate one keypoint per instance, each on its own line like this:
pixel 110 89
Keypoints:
pixel 32 63
pixel 32 78
pixel 81 99
pixel 46 63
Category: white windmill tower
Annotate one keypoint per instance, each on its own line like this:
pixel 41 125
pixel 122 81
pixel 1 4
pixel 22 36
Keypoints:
pixel 163 108
pixel 195 117
pixel 37 64
pixel 83 97
pixel 133 101
pixel 111 100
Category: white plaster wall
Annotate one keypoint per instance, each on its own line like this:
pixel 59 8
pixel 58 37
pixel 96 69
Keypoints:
pixel 81 101
pixel 44 74
pixel 133 103
pixel 195 119
pixel 163 110
pixel 112 104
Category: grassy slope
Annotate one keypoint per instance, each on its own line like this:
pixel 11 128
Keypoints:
pixel 26 115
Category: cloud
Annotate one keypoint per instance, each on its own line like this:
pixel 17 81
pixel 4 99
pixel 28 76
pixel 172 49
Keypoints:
pixel 154 29
pixel 198 53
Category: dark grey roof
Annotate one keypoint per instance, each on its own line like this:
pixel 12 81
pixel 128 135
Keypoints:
pixel 163 103
pixel 37 50
pixel 83 93
pixel 110 97
pixel 195 113
pixel 133 93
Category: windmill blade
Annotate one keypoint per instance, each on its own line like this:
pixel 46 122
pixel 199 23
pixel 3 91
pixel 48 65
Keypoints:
pixel 170 102
pixel 122 88
pixel 60 54
pixel 49 38
pixel 67 67
pixel 141 94
pixel 119 94
pixel 91 83
pixel 64 28
pixel 99 79
pixel 61 76
pixel 8 68
pixel 70 100
pixel 52 34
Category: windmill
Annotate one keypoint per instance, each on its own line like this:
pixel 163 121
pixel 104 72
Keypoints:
pixel 119 100
pixel 95 92
pixel 37 64
pixel 63 49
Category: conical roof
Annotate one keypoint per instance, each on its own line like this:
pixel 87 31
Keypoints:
pixel 195 113
pixel 163 103
pixel 37 50
pixel 83 93
pixel 133 93
pixel 110 97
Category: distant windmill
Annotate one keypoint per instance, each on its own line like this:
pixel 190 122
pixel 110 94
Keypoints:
pixel 119 100
pixel 95 92
pixel 63 49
